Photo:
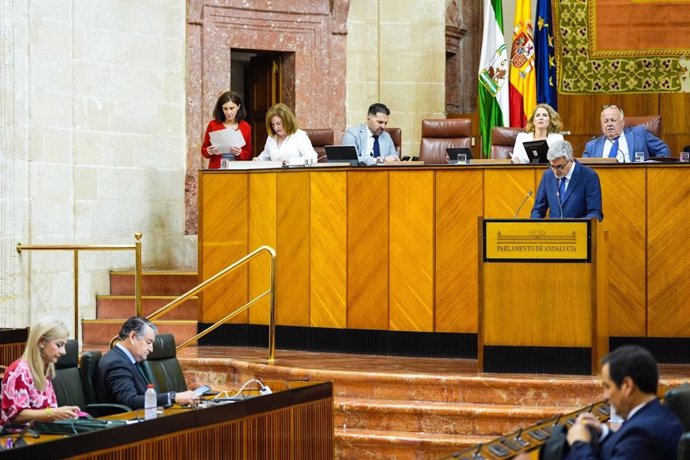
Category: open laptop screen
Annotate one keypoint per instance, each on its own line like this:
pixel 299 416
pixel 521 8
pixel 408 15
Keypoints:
pixel 342 153
pixel 536 150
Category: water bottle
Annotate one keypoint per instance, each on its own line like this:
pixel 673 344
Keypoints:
pixel 150 402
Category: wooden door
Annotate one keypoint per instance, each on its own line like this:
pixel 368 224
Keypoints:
pixel 266 91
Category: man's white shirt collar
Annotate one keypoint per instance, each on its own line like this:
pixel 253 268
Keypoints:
pixel 129 355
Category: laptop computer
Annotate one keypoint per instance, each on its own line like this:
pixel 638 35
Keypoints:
pixel 453 152
pixel 536 150
pixel 341 153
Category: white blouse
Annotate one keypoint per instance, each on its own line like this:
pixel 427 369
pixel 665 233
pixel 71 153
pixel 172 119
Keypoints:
pixel 519 154
pixel 295 145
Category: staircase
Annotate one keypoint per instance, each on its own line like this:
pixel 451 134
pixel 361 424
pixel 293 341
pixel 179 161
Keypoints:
pixel 411 413
pixel 407 414
pixel 159 287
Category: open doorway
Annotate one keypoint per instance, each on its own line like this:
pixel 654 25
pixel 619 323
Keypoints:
pixel 262 78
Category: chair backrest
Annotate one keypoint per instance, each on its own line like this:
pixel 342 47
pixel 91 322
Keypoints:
pixel 88 364
pixel 503 141
pixel 678 400
pixel 396 135
pixel 437 135
pixel 319 139
pixel 67 381
pixel 684 447
pixel 162 367
pixel 651 122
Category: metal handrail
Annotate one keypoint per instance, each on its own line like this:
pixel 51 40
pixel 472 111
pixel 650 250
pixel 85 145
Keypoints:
pixel 75 248
pixel 271 322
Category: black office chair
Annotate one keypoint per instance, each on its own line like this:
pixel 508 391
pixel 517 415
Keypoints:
pixel 69 388
pixel 678 400
pixel 88 365
pixel 162 367
pixel 684 447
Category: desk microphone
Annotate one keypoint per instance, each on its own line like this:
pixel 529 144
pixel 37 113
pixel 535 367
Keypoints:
pixel 582 144
pixel 529 194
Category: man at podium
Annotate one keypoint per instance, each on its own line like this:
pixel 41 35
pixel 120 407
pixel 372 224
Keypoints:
pixel 567 189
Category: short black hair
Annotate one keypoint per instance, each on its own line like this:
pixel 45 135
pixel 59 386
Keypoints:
pixel 136 324
pixel 635 362
pixel 224 98
pixel 378 108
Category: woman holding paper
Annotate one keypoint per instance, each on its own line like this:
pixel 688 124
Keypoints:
pixel 229 113
pixel 543 124
pixel 286 142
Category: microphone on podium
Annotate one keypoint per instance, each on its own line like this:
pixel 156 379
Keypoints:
pixel 529 194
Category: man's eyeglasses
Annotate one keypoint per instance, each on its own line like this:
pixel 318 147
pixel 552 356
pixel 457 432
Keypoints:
pixel 559 167
pixel 612 106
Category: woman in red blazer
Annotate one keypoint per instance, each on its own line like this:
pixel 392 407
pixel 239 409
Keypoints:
pixel 229 112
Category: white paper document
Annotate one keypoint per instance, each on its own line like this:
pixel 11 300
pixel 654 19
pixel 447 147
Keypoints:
pixel 227 138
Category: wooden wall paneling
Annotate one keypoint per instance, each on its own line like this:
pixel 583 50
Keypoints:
pixel 581 113
pixel 367 247
pixel 262 231
pixel 505 188
pixel 10 352
pixel 269 437
pixel 675 113
pixel 669 248
pixel 292 246
pixel 522 308
pixel 313 430
pixel 224 241
pixel 459 201
pixel 411 251
pixel 328 249
pixel 623 202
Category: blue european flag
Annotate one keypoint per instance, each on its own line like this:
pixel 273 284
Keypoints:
pixel 545 55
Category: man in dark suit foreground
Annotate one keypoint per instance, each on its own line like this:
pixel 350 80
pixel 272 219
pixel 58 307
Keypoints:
pixel 120 379
pixel 650 431
pixel 567 189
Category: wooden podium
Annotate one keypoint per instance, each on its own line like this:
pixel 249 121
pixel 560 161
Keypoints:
pixel 543 296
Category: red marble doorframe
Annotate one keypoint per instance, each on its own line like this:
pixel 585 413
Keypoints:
pixel 314 30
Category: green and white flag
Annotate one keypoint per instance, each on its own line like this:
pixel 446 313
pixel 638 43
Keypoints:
pixel 493 75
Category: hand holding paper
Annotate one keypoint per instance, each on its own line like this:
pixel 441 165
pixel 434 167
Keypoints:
pixel 227 138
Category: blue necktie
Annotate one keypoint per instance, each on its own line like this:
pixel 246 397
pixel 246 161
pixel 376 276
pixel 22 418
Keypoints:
pixel 377 149
pixel 614 149
pixel 561 189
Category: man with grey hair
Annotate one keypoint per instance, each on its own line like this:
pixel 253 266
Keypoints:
pixel 567 189
pixel 120 379
pixel 620 142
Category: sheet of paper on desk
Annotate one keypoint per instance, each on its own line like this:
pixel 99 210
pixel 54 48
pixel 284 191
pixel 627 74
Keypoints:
pixel 227 138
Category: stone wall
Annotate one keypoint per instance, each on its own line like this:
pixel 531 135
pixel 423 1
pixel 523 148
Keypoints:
pixel 93 145
pixel 103 104
pixel 396 55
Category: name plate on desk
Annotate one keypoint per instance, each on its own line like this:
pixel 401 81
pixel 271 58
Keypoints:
pixel 537 240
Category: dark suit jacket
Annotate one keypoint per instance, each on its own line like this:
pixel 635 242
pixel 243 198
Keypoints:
pixel 638 139
pixel 582 197
pixel 650 434
pixel 119 381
